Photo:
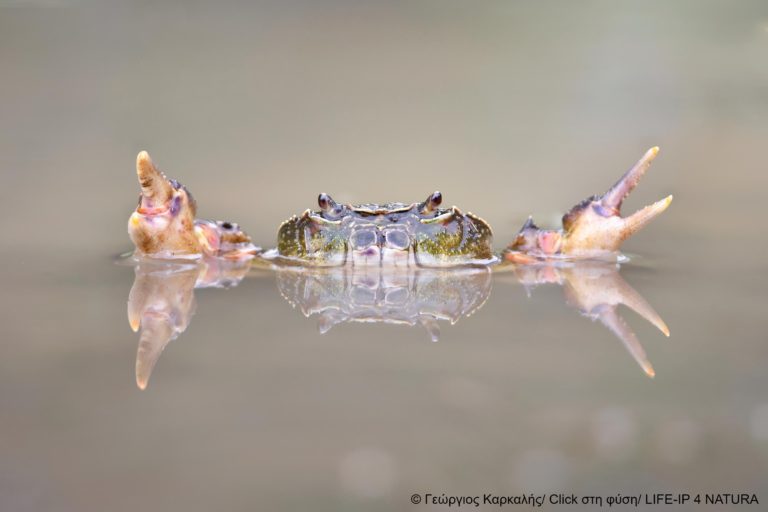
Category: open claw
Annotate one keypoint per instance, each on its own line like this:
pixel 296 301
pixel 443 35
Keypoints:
pixel 594 227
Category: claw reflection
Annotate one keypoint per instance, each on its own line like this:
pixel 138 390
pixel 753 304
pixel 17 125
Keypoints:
pixel 596 289
pixel 161 302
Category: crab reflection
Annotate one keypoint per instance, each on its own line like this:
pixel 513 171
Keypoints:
pixel 420 297
pixel 161 302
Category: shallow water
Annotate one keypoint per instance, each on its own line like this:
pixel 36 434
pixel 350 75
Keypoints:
pixel 508 110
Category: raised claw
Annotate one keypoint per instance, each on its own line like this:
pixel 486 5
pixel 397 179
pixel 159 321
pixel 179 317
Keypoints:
pixel 594 227
pixel 156 191
pixel 164 224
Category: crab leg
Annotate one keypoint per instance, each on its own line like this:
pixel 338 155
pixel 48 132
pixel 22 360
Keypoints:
pixel 592 228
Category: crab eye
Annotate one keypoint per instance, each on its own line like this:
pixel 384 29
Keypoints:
pixel 324 201
pixel 330 208
pixel 432 202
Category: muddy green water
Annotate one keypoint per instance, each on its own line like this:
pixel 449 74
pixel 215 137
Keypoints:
pixel 508 109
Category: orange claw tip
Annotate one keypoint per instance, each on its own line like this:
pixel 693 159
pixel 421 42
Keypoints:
pixel 135 323
pixel 143 162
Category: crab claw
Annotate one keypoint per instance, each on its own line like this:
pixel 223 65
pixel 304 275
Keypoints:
pixel 156 191
pixel 595 227
pixel 164 224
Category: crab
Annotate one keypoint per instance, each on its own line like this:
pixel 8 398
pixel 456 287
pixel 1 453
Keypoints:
pixel 396 263
pixel 421 234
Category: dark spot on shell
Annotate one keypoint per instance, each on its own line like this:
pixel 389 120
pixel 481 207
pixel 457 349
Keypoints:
pixel 226 225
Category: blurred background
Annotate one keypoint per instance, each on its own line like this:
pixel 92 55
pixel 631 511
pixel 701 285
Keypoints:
pixel 508 108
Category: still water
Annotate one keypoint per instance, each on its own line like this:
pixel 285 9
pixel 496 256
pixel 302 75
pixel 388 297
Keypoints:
pixel 269 395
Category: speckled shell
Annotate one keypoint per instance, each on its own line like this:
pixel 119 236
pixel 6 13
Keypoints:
pixel 392 234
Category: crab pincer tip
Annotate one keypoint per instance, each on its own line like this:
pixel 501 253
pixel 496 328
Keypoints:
pixel 144 162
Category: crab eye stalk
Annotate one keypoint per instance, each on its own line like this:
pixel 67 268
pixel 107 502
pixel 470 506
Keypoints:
pixel 432 202
pixel 330 208
pixel 326 202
